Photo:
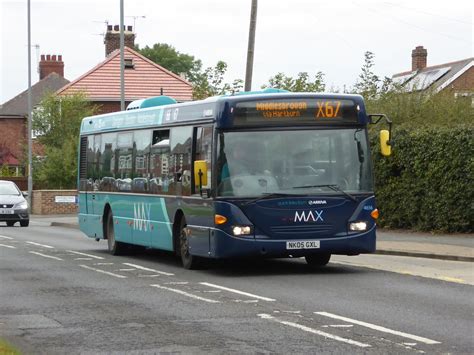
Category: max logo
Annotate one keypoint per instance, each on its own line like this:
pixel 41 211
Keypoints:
pixel 309 216
pixel 141 216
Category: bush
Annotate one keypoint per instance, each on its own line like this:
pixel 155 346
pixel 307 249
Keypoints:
pixel 427 182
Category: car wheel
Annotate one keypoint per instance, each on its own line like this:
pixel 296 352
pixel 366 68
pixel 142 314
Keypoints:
pixel 189 261
pixel 115 248
pixel 10 223
pixel 25 223
pixel 317 260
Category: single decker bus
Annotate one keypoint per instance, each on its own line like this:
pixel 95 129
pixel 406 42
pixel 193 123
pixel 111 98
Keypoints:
pixel 266 174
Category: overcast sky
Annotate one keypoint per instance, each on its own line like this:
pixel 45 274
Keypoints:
pixel 292 35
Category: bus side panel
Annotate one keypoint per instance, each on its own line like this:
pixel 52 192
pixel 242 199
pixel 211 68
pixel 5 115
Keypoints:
pixel 89 224
pixel 161 224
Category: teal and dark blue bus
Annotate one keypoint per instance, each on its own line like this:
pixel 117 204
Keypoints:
pixel 258 175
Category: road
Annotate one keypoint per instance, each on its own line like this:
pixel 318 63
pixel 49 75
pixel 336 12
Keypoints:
pixel 60 292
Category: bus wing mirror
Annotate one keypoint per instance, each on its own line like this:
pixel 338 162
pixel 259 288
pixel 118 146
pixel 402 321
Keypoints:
pixel 200 173
pixel 385 148
pixel 385 135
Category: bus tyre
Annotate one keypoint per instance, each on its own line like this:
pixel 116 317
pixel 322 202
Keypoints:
pixel 115 248
pixel 189 261
pixel 317 260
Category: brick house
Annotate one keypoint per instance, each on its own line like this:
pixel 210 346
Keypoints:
pixel 143 78
pixel 457 76
pixel 14 112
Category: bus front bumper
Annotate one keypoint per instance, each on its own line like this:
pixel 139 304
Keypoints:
pixel 223 245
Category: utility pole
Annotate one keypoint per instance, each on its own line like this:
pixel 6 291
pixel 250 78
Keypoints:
pixel 122 65
pixel 251 47
pixel 30 144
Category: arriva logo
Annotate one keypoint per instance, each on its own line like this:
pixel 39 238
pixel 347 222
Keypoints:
pixel 141 216
pixel 309 216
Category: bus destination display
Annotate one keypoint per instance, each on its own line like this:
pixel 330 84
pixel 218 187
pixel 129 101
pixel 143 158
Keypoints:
pixel 295 111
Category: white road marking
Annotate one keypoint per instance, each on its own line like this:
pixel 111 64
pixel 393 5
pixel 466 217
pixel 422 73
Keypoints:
pixel 126 270
pixel 149 275
pixel 379 328
pixel 84 254
pixel 148 269
pixel 177 283
pixel 212 291
pixel 7 246
pixel 82 258
pixel 5 237
pixel 238 292
pixel 315 331
pixel 45 256
pixel 41 245
pixel 186 294
pixel 104 272
pixel 103 263
pixel 338 326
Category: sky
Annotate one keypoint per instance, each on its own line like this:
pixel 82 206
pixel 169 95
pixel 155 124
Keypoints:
pixel 292 36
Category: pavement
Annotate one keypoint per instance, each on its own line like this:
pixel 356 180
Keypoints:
pixel 459 247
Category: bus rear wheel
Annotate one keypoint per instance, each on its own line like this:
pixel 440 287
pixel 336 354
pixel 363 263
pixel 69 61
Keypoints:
pixel 189 261
pixel 115 248
pixel 317 260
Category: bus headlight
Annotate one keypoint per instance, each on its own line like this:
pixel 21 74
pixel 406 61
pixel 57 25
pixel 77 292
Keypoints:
pixel 241 230
pixel 358 226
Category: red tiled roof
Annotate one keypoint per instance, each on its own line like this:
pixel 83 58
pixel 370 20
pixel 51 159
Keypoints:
pixel 146 79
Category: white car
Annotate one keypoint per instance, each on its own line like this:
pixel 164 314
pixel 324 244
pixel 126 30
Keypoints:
pixel 13 206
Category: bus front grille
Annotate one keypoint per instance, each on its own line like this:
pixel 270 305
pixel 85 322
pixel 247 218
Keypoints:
pixel 302 230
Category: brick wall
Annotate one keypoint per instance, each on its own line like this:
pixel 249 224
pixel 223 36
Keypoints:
pixel 109 106
pixel 13 135
pixel 43 202
pixel 465 82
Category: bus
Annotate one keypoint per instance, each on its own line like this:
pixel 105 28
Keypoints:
pixel 265 174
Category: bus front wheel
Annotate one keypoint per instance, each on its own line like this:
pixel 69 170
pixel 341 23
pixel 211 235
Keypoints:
pixel 189 261
pixel 115 248
pixel 317 260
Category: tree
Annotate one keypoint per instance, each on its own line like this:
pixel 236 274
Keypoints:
pixel 368 83
pixel 211 83
pixel 57 122
pixel 302 83
pixel 168 57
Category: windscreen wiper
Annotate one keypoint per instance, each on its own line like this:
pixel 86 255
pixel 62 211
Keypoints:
pixel 333 187
pixel 266 196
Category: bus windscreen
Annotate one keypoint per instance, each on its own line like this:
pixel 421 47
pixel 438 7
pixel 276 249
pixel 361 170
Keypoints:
pixel 295 111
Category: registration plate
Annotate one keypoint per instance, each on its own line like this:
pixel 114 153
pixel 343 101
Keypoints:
pixel 302 244
pixel 6 211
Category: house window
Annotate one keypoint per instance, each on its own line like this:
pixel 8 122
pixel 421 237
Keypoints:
pixel 128 63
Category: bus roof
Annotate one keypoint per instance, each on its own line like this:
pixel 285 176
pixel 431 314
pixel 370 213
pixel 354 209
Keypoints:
pixel 211 109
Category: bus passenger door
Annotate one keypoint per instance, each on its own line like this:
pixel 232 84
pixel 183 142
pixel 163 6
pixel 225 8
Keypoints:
pixel 200 213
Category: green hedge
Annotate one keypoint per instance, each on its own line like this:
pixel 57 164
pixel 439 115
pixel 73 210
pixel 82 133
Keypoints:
pixel 427 183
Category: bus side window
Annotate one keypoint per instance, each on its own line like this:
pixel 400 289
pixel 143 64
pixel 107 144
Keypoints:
pixel 93 162
pixel 159 162
pixel 180 161
pixel 203 151
pixel 141 155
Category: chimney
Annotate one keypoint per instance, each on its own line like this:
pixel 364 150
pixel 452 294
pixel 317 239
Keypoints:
pixel 112 38
pixel 51 64
pixel 418 58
